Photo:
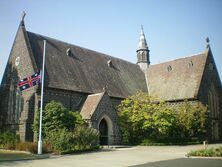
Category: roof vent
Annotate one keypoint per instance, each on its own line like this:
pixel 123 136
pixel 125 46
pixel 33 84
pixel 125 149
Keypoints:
pixel 109 63
pixel 68 52
pixel 169 68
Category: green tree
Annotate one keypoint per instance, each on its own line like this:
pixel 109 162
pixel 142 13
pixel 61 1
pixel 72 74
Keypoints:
pixel 56 116
pixel 144 117
pixel 191 118
pixel 65 131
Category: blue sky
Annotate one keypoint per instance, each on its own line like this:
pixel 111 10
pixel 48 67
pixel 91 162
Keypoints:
pixel 173 28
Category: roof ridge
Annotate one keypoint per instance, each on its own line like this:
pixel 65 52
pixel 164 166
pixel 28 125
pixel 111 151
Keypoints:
pixel 100 53
pixel 96 94
pixel 178 59
pixel 86 70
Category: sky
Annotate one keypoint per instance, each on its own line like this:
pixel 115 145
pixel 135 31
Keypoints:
pixel 173 28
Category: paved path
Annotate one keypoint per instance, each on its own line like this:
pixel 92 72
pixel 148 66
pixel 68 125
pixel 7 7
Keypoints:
pixel 142 156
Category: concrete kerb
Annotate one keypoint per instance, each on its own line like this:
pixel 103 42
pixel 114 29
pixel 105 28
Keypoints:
pixel 34 157
pixel 198 157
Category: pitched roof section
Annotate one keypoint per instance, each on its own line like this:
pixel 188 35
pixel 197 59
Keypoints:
pixel 178 79
pixel 85 70
pixel 90 105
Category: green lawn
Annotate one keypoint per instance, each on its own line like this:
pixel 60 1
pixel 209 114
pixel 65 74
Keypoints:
pixel 8 155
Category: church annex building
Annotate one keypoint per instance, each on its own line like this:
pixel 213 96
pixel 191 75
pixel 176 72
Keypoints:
pixel 94 83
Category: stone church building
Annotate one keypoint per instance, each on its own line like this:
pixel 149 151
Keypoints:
pixel 94 83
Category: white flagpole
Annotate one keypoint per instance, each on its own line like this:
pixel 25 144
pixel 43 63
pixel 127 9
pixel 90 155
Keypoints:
pixel 40 117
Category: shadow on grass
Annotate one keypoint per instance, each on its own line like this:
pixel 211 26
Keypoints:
pixel 7 155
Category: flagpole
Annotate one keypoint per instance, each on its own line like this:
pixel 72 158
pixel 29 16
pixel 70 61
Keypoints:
pixel 40 117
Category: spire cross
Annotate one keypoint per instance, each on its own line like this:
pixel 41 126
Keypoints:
pixel 23 15
pixel 208 42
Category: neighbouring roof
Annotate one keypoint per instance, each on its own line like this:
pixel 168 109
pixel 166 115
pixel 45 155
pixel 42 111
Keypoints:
pixel 90 105
pixel 75 68
pixel 178 79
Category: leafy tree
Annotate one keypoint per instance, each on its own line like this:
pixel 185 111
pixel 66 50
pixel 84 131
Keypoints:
pixel 191 119
pixel 56 116
pixel 142 116
pixel 145 117
pixel 65 131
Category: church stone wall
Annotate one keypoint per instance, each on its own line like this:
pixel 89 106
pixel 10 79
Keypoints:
pixel 15 115
pixel 115 101
pixel 71 100
pixel 27 115
pixel 106 108
pixel 211 81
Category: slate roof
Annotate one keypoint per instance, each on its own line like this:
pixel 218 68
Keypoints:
pixel 178 79
pixel 90 105
pixel 84 70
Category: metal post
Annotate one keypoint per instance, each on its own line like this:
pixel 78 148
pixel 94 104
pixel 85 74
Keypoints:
pixel 40 117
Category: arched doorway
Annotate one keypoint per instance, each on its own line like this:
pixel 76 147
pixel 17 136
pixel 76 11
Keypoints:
pixel 103 130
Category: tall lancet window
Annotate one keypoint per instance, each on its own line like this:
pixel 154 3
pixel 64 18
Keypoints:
pixel 214 112
pixel 213 102
pixel 18 105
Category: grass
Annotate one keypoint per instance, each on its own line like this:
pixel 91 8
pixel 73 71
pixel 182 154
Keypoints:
pixel 211 152
pixel 9 155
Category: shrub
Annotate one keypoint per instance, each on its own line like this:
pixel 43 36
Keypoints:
pixel 65 130
pixel 212 152
pixel 8 140
pixel 32 147
pixel 85 138
pixel 60 140
pixel 56 116
pixel 169 141
pixel 81 139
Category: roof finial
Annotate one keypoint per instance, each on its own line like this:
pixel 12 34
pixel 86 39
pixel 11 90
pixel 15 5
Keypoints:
pixel 142 33
pixel 105 88
pixel 208 42
pixel 23 15
pixel 141 27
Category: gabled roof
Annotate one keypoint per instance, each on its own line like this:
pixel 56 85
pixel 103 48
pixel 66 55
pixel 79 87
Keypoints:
pixel 84 70
pixel 178 79
pixel 90 105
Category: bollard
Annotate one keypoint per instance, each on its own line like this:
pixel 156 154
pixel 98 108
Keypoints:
pixel 204 143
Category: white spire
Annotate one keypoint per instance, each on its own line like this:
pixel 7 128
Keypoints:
pixel 142 42
pixel 143 56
